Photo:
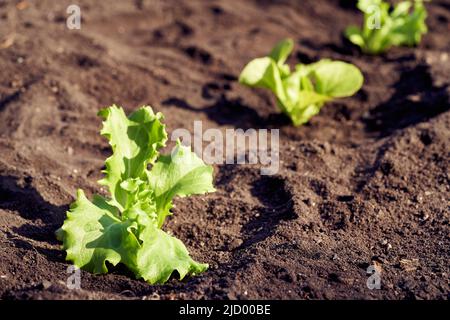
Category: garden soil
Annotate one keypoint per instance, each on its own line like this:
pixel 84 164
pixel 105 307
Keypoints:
pixel 363 186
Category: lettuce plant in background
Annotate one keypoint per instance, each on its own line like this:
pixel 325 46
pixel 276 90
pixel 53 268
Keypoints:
pixel 301 93
pixel 126 227
pixel 386 26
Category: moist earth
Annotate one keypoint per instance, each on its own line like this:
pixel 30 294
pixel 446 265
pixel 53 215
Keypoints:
pixel 364 184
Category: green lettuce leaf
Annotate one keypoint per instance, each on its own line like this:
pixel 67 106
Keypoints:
pixel 302 93
pixel 263 73
pixel 367 5
pixel 94 234
pixel 308 105
pixel 161 254
pixel 282 50
pixel 337 79
pixel 135 142
pixel 401 25
pixel 126 228
pixel 180 174
pixel 354 34
pixel 280 53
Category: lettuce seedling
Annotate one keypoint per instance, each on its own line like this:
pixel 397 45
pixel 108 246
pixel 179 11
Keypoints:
pixel 386 26
pixel 302 93
pixel 126 227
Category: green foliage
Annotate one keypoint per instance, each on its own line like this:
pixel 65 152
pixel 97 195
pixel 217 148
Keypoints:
pixel 126 228
pixel 301 93
pixel 384 27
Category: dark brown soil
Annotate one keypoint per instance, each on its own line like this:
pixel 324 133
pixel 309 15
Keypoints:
pixel 366 182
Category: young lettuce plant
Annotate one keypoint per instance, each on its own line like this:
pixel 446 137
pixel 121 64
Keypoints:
pixel 126 228
pixel 384 27
pixel 302 93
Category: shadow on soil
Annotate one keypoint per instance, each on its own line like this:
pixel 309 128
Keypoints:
pixel 277 205
pixel 415 100
pixel 45 218
pixel 233 112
